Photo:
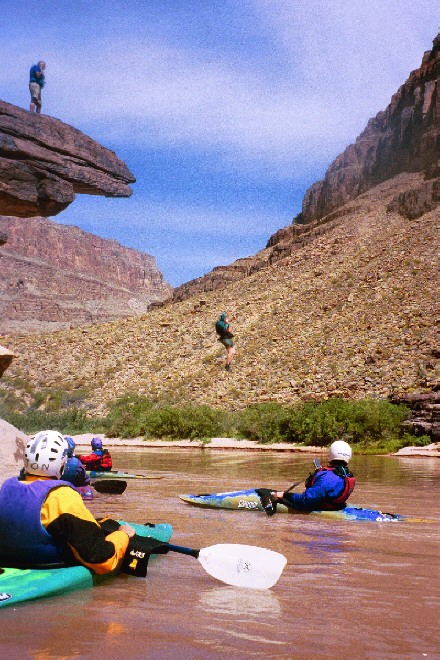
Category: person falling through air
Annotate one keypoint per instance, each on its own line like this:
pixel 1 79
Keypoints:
pixel 225 337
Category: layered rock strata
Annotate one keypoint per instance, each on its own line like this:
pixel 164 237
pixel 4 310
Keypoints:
pixel 403 138
pixel 425 412
pixel 55 276
pixel 44 163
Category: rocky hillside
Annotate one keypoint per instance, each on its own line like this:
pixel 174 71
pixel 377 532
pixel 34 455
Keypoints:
pixel 44 163
pixel 55 276
pixel 349 310
pixel 403 138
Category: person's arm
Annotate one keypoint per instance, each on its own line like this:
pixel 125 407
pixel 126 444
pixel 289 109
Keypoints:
pixel 90 458
pixel 326 486
pixel 68 520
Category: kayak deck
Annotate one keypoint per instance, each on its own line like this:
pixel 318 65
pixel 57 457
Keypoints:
pixel 248 500
pixel 119 474
pixel 18 585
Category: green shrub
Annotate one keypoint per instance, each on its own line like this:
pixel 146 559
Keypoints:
pixel 68 422
pixel 263 422
pixel 134 416
pixel 184 422
pixel 127 417
pixel 356 421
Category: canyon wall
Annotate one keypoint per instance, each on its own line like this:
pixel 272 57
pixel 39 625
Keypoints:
pixel 58 275
pixel 403 138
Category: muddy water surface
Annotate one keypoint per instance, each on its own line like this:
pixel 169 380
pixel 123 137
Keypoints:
pixel 350 589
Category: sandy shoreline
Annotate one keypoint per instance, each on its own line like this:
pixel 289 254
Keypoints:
pixel 85 439
pixel 228 444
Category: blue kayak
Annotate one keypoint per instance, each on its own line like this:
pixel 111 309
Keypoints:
pixel 18 585
pixel 249 500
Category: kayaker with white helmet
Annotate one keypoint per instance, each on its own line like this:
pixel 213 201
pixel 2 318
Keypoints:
pixel 328 487
pixel 43 519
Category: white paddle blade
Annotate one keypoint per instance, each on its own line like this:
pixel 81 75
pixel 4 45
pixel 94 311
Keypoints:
pixel 243 565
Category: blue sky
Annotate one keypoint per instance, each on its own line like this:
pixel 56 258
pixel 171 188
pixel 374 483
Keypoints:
pixel 226 111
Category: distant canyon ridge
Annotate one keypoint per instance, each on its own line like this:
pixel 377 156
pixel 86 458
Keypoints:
pixel 404 138
pixel 55 276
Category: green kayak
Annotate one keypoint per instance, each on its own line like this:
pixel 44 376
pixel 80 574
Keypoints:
pixel 18 585
pixel 119 474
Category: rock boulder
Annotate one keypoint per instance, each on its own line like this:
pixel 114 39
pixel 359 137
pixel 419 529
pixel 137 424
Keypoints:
pixel 12 443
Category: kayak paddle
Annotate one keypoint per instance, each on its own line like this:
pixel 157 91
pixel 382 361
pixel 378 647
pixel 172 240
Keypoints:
pixel 238 565
pixel 268 502
pixel 113 486
pixel 120 474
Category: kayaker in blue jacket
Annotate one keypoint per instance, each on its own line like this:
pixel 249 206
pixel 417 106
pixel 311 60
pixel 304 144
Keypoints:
pixel 74 470
pixel 327 488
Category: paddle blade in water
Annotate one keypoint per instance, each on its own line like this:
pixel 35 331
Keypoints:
pixel 243 565
pixel 113 486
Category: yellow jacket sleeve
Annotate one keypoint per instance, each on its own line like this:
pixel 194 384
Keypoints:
pixel 65 516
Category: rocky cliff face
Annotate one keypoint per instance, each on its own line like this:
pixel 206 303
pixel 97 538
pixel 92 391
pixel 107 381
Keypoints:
pixel 403 138
pixel 55 276
pixel 44 162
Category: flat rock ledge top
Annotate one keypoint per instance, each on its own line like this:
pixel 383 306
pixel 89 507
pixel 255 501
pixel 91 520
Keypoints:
pixel 44 162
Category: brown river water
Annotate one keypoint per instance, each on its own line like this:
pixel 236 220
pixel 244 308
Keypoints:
pixel 350 589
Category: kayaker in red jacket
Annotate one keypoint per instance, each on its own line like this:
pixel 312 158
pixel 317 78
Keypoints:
pixel 99 460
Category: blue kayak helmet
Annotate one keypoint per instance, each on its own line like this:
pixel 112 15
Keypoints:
pixel 70 472
pixel 71 444
pixel 96 443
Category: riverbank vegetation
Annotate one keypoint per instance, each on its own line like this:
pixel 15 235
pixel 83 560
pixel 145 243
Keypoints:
pixel 374 426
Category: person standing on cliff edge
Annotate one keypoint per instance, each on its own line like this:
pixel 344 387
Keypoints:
pixel 36 83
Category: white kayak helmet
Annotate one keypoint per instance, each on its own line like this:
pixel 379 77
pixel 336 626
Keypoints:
pixel 339 451
pixel 46 454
